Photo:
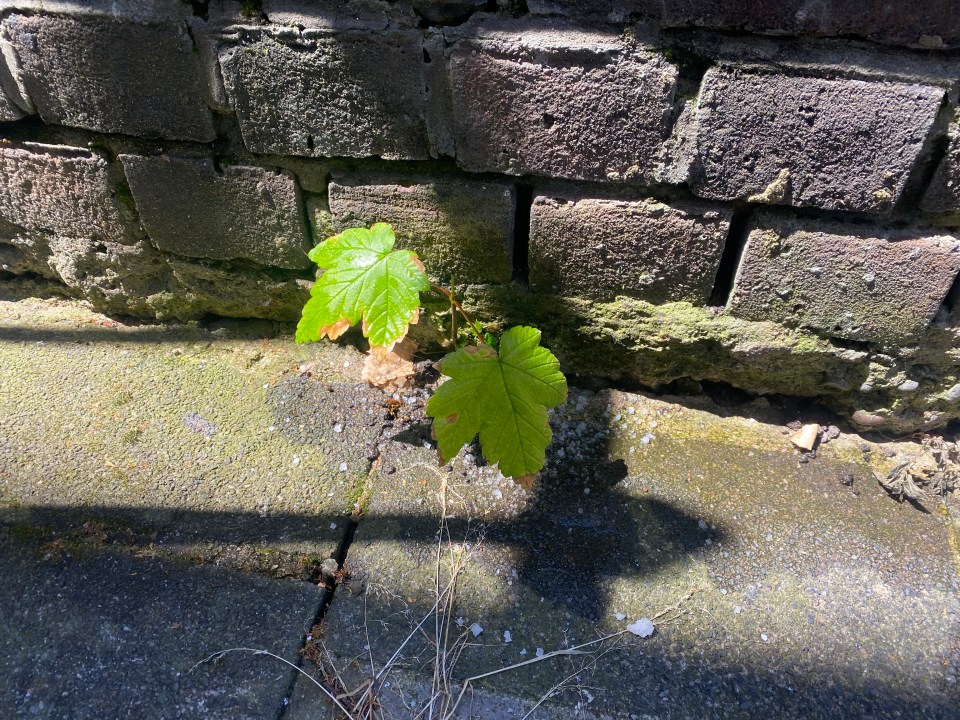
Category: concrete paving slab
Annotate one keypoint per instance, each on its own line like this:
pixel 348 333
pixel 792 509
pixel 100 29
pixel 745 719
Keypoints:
pixel 203 441
pixel 814 594
pixel 90 635
pixel 793 586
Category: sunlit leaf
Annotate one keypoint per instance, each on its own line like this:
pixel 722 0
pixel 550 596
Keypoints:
pixel 502 397
pixel 364 281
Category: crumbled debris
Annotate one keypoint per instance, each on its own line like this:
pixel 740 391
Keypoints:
pixel 641 628
pixel 806 437
pixel 936 468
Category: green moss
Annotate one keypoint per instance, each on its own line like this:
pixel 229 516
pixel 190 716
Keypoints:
pixel 658 344
pixel 23 533
pixel 251 8
pixel 356 498
pixel 131 437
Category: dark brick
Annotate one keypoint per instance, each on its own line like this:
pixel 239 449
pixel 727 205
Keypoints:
pixel 59 191
pixel 349 94
pixel 8 109
pixel 190 209
pixel 875 285
pixel 599 248
pixel 833 144
pixel 462 228
pixel 928 24
pixel 116 77
pixel 549 100
pixel 943 196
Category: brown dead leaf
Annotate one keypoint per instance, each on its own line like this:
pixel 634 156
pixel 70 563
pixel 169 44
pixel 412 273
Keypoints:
pixel 525 481
pixel 336 330
pixel 390 368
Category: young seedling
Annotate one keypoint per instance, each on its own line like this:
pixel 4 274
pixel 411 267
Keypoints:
pixel 497 390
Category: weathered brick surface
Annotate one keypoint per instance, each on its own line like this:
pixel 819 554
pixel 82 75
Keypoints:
pixel 331 14
pixel 140 11
pixel 844 281
pixel 942 198
pixel 834 144
pixel 8 110
pixel 58 190
pixel 928 24
pixel 115 77
pixel 137 280
pixel 458 227
pixel 351 94
pixel 190 209
pixel 550 100
pixel 599 248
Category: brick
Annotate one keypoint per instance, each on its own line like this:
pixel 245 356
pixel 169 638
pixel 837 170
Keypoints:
pixel 872 285
pixel 802 141
pixel 548 100
pixel 109 76
pixel 599 248
pixel 333 14
pixel 929 24
pixel 349 94
pixel 357 14
pixel 458 227
pixel 189 208
pixel 58 190
pixel 8 110
pixel 943 195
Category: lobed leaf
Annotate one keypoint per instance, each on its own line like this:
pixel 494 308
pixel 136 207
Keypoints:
pixel 364 281
pixel 502 397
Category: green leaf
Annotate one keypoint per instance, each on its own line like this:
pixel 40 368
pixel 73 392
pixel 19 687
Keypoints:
pixel 503 397
pixel 365 280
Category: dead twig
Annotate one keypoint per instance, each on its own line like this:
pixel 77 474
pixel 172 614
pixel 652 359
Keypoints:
pixel 221 653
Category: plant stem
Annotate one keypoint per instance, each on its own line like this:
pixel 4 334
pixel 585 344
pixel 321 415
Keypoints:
pixel 456 303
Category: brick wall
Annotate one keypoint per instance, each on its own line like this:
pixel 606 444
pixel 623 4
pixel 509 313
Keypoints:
pixel 764 194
